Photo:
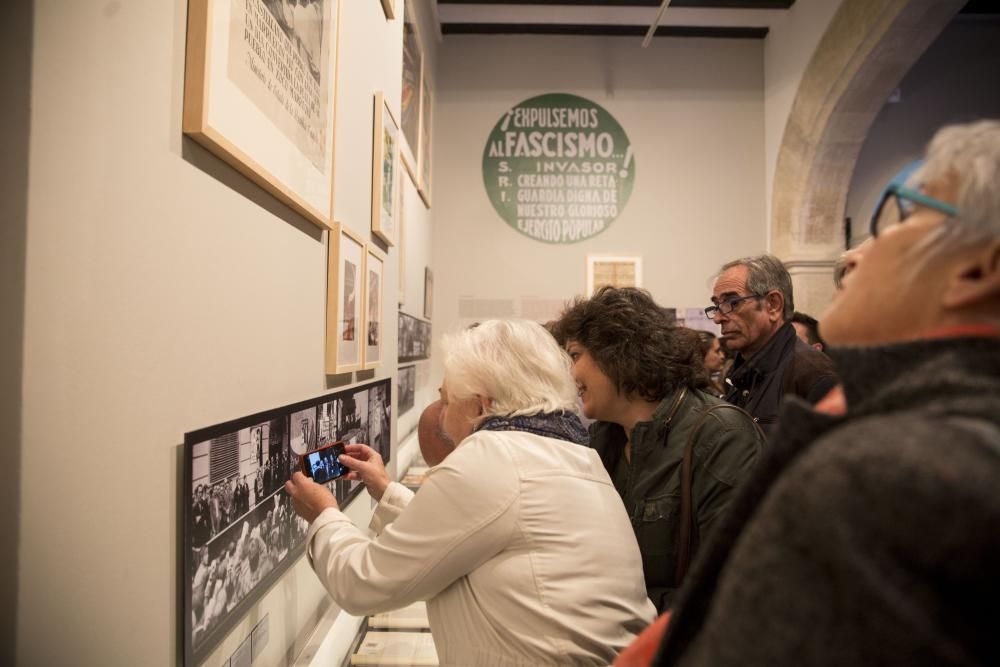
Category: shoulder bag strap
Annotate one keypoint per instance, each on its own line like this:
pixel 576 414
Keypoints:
pixel 687 527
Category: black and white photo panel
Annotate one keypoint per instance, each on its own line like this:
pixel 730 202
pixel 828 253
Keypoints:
pixel 240 533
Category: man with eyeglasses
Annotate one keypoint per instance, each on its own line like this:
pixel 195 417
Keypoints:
pixel 753 302
pixel 869 535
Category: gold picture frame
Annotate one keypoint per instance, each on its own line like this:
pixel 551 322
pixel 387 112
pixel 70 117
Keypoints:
pixel 385 171
pixel 346 275
pixel 615 271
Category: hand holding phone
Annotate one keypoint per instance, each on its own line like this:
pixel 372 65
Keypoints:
pixel 323 464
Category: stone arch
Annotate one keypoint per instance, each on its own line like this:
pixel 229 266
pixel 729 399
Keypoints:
pixel 862 57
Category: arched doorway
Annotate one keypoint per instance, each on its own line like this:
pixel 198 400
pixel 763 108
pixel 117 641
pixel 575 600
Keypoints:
pixel 865 52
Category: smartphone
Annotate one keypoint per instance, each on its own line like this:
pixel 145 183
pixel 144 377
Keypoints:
pixel 322 464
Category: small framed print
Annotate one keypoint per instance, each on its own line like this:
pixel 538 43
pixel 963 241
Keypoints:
pixel 428 292
pixel 374 329
pixel 345 291
pixel 389 7
pixel 613 271
pixel 385 171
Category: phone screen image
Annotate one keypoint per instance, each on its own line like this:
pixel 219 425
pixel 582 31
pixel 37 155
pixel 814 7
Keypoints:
pixel 322 465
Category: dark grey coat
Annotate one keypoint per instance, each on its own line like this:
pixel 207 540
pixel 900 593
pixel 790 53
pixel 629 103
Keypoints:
pixel 870 539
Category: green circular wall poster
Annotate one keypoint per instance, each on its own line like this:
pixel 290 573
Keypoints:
pixel 558 168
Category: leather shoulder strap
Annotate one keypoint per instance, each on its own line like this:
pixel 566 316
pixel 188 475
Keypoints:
pixel 687 527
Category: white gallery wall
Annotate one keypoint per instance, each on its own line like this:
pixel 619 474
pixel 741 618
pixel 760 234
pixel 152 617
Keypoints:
pixel 163 292
pixel 693 112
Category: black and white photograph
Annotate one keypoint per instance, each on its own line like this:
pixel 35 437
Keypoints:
pixel 302 23
pixel 303 432
pixel 414 338
pixel 378 419
pixel 407 386
pixel 234 472
pixel 232 564
pixel 240 532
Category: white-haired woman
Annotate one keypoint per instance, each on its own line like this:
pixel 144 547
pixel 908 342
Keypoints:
pixel 518 540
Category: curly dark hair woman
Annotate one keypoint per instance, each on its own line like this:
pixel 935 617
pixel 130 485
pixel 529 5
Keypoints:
pixel 640 377
pixel 632 340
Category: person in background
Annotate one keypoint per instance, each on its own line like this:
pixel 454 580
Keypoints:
pixel 869 537
pixel 517 540
pixel 713 359
pixel 435 445
pixel 638 377
pixel 807 329
pixel 753 302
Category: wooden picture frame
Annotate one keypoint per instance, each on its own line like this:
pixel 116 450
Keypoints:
pixel 424 161
pixel 236 103
pixel 428 292
pixel 344 300
pixel 401 247
pixel 409 102
pixel 389 7
pixel 374 307
pixel 614 271
pixel 385 171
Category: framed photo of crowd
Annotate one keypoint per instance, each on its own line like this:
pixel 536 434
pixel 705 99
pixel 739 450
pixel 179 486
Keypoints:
pixel 260 88
pixel 239 531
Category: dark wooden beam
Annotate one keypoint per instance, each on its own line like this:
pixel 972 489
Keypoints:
pixel 601 30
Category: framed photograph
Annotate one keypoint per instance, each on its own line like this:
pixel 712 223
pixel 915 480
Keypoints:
pixel 428 292
pixel 426 124
pixel 389 7
pixel 385 171
pixel 344 305
pixel 374 329
pixel 260 88
pixel 409 103
pixel 613 271
pixel 401 247
pixel 414 339
pixel 406 388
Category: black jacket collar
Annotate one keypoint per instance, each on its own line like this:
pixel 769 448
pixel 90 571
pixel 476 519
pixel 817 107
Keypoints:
pixel 767 359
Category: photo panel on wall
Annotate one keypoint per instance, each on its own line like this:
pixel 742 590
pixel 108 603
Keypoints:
pixel 414 338
pixel 240 532
pixel 344 300
pixel 271 118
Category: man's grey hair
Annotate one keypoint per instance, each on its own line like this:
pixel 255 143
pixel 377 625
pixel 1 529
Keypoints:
pixel 970 153
pixel 766 273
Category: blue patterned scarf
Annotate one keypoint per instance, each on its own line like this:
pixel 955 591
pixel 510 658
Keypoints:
pixel 559 425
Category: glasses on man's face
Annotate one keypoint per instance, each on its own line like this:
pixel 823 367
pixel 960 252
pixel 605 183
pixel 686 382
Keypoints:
pixel 898 202
pixel 729 305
